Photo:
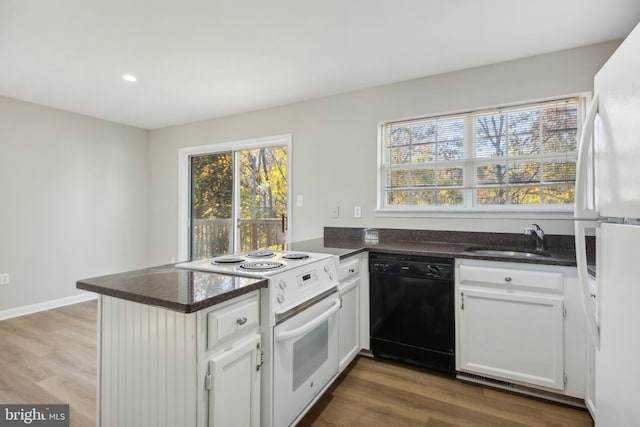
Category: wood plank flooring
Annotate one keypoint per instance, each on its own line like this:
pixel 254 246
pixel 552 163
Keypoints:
pixel 50 357
pixel 377 393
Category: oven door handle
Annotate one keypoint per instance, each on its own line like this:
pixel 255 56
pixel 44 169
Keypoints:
pixel 299 331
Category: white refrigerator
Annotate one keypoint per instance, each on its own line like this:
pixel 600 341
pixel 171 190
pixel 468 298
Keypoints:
pixel 608 204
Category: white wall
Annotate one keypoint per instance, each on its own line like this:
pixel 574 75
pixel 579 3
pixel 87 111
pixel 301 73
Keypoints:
pixel 73 201
pixel 334 142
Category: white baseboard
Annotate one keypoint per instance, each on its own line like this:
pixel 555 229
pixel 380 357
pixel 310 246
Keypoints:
pixel 47 305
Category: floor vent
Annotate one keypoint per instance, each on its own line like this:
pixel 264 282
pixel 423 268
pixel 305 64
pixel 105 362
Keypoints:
pixel 486 380
pixel 516 388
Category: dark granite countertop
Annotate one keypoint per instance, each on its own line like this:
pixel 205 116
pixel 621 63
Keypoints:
pixel 439 244
pixel 173 288
pixel 341 248
pixel 188 291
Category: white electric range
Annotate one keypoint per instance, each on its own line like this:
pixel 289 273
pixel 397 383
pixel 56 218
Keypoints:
pixel 299 326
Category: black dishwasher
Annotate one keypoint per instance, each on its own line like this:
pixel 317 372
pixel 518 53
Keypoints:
pixel 412 310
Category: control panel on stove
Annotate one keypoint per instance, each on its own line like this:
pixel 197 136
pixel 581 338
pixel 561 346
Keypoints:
pixel 307 279
pixel 295 286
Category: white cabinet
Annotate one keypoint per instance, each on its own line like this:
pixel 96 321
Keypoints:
pixel 231 362
pixel 234 382
pixel 231 321
pixel 163 368
pixel 349 272
pixel 514 337
pixel 512 324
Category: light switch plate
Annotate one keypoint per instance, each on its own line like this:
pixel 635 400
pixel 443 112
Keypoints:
pixel 357 212
pixel 335 212
pixel 299 201
pixel 4 279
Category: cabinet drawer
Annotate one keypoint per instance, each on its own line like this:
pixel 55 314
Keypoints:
pixel 542 280
pixel 348 268
pixel 225 323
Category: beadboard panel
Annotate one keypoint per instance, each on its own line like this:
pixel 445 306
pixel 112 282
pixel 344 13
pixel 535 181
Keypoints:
pixel 148 365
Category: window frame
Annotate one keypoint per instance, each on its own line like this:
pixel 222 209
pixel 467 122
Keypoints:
pixel 469 209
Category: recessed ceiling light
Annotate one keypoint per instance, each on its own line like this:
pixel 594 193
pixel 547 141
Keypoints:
pixel 129 78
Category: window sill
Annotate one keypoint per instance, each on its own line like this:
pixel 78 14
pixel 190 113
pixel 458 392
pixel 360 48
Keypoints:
pixel 487 213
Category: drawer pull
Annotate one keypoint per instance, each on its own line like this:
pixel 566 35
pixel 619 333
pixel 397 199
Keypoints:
pixel 241 321
pixel 352 270
pixel 507 279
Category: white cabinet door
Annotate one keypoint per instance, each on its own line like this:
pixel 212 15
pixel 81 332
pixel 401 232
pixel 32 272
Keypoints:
pixel 234 398
pixel 512 337
pixel 349 345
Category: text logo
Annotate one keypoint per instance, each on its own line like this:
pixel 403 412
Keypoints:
pixel 34 415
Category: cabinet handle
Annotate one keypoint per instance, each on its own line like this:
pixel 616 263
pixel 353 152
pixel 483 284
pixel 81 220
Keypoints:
pixel 260 360
pixel 241 321
pixel 462 300
pixel 507 279
pixel 352 270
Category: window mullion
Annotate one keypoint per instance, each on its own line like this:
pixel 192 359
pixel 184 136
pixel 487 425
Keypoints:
pixel 469 168
pixel 540 154
pixel 235 208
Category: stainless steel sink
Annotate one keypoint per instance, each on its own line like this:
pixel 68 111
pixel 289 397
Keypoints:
pixel 507 253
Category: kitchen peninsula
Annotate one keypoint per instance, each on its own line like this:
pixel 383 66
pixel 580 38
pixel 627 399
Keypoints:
pixel 157 329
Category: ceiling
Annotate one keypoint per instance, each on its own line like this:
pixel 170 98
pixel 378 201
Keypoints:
pixel 200 59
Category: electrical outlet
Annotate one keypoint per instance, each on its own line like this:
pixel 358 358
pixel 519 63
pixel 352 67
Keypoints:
pixel 4 279
pixel 357 212
pixel 335 212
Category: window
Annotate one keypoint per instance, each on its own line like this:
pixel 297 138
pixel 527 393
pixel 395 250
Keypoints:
pixel 234 197
pixel 521 157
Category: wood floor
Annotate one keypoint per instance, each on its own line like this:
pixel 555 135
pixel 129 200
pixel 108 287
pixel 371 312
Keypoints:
pixel 50 357
pixel 377 393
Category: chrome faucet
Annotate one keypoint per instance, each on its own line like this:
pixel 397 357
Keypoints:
pixel 535 230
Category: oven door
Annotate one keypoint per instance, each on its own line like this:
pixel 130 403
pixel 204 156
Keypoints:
pixel 305 358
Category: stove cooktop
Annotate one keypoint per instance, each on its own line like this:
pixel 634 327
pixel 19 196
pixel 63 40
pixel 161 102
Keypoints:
pixel 260 263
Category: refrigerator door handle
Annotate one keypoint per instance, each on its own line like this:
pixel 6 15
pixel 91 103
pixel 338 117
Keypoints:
pixel 584 189
pixel 583 278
